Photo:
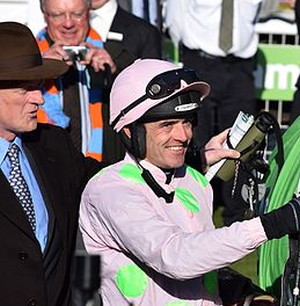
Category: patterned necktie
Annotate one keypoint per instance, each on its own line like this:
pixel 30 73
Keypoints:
pixel 226 25
pixel 19 185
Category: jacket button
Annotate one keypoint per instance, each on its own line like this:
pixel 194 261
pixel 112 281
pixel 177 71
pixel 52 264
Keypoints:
pixel 32 302
pixel 23 256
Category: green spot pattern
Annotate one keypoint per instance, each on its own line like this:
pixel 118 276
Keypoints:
pixel 200 178
pixel 187 199
pixel 211 282
pixel 132 173
pixel 131 281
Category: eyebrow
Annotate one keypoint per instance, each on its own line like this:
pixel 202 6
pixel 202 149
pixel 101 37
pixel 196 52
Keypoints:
pixel 78 11
pixel 168 121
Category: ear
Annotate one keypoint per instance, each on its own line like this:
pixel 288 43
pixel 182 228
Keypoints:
pixel 127 132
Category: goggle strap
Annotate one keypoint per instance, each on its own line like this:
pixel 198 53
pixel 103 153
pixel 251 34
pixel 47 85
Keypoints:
pixel 129 108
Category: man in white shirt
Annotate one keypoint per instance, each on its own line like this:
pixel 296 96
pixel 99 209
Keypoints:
pixel 195 25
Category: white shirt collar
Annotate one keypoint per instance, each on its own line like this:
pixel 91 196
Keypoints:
pixel 102 18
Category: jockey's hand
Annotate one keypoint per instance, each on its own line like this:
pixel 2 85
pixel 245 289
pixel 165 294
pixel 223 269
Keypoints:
pixel 282 221
pixel 214 151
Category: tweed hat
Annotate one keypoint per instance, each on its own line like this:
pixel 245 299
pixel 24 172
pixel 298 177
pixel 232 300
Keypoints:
pixel 20 57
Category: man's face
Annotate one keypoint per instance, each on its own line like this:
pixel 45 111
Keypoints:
pixel 98 3
pixel 167 141
pixel 67 20
pixel 19 102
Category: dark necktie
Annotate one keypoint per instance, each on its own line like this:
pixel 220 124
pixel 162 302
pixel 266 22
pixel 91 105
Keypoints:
pixel 226 25
pixel 19 185
pixel 146 10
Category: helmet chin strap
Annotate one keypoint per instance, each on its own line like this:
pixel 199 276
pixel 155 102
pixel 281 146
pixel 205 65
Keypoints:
pixel 147 176
pixel 156 188
pixel 137 149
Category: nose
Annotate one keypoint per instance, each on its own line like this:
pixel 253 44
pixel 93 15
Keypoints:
pixel 68 21
pixel 35 96
pixel 182 132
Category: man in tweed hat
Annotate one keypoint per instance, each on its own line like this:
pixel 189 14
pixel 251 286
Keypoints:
pixel 41 179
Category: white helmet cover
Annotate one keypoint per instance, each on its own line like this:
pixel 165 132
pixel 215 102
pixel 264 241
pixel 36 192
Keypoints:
pixel 131 84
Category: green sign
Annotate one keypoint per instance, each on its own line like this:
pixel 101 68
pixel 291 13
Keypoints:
pixel 277 72
pixel 171 52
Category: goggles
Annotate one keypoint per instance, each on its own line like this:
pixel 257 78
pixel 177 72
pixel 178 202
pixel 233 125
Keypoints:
pixel 162 86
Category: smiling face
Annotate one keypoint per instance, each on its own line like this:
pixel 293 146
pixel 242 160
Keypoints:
pixel 67 21
pixel 18 108
pixel 167 142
